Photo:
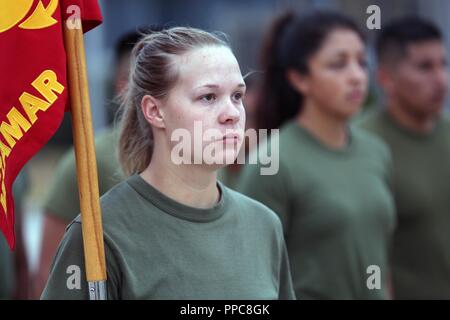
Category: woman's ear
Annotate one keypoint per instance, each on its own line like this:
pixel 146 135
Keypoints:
pixel 298 81
pixel 151 108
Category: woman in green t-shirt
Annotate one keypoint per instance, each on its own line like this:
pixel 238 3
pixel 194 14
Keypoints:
pixel 331 190
pixel 171 230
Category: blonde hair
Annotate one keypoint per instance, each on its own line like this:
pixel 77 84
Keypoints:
pixel 153 72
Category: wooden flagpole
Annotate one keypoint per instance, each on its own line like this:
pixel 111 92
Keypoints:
pixel 86 164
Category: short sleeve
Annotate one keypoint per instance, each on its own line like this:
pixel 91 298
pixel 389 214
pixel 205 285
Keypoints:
pixel 67 279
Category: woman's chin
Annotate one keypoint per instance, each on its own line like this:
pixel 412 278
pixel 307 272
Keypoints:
pixel 221 159
pixel 347 112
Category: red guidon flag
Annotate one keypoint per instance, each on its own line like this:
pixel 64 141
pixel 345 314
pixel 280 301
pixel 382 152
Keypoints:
pixel 33 84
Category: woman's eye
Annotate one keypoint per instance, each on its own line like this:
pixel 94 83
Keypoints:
pixel 363 63
pixel 208 97
pixel 338 65
pixel 238 96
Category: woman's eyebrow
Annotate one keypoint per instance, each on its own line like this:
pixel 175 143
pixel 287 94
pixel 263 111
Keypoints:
pixel 240 85
pixel 339 53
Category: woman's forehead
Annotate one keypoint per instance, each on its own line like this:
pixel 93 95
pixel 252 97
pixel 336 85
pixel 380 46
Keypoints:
pixel 342 40
pixel 208 64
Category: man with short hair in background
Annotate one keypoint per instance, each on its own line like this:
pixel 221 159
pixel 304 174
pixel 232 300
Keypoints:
pixel 412 71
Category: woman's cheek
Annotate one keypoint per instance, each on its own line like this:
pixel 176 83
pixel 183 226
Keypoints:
pixel 243 118
pixel 330 89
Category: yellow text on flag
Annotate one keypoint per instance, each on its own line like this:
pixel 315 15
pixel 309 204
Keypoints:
pixel 19 121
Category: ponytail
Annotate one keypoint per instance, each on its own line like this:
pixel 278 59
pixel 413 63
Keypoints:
pixel 278 101
pixel 136 138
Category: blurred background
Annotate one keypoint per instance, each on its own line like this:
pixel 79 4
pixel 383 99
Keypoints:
pixel 244 21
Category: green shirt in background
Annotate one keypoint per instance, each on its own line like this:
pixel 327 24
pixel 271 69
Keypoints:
pixel 336 208
pixel 7 257
pixel 157 248
pixel 7 274
pixel 62 200
pixel 421 244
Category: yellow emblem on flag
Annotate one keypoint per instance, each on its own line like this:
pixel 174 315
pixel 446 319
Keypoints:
pixel 14 11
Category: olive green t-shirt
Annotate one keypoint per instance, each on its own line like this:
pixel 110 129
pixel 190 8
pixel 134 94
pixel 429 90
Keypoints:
pixel 337 212
pixel 157 248
pixel 62 199
pixel 421 244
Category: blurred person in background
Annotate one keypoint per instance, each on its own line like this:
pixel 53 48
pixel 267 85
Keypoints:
pixel 412 71
pixel 332 188
pixel 61 204
pixel 14 271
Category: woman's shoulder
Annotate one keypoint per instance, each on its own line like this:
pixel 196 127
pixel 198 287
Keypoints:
pixel 123 206
pixel 119 195
pixel 113 200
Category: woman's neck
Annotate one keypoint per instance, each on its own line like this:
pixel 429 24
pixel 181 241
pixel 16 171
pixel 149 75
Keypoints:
pixel 329 130
pixel 191 185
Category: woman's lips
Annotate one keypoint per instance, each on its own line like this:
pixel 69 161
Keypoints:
pixel 355 96
pixel 231 137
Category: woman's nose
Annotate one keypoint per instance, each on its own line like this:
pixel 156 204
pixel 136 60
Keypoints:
pixel 230 114
pixel 357 73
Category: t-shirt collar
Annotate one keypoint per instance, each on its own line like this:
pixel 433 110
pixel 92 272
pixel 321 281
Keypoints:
pixel 178 209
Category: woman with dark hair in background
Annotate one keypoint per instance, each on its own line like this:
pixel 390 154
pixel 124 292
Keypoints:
pixel 332 189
